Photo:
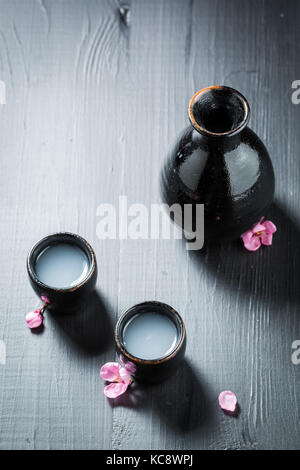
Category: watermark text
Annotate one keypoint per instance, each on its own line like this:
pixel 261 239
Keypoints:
pixel 139 222
pixel 296 94
pixel 296 353
pixel 2 92
pixel 2 353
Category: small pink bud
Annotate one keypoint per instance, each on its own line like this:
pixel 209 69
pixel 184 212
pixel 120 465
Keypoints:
pixel 228 401
pixel 34 319
pixel 45 299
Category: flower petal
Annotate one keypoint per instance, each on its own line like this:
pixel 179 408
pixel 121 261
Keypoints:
pixel 258 228
pixel 122 359
pixel 247 236
pixel 251 243
pixel 266 238
pixel 130 366
pixel 228 401
pixel 34 319
pixel 125 375
pixel 115 390
pixel 269 226
pixel 110 371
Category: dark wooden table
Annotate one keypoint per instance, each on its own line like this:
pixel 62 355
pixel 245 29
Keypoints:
pixel 96 92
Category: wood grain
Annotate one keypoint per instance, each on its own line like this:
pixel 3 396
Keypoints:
pixel 97 91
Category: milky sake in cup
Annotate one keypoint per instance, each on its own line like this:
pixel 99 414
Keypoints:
pixel 151 335
pixel 62 269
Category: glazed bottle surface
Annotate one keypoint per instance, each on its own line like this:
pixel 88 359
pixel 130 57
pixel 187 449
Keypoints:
pixel 220 162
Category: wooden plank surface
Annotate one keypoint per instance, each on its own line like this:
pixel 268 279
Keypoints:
pixel 96 92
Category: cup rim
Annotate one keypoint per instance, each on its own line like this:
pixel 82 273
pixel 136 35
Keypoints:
pixel 163 308
pixel 207 132
pixel 55 237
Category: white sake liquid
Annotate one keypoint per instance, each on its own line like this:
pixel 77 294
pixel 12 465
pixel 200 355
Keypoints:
pixel 150 335
pixel 62 265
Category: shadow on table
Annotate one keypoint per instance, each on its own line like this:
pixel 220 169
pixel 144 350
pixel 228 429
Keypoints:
pixel 88 327
pixel 271 274
pixel 182 401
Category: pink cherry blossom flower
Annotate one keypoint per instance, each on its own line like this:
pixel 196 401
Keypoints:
pixel 34 319
pixel 118 375
pixel 228 401
pixel 261 233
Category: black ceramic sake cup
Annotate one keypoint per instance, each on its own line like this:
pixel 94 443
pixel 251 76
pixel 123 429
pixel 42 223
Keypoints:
pixel 63 299
pixel 154 370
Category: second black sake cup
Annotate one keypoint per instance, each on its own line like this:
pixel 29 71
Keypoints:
pixel 67 298
pixel 158 369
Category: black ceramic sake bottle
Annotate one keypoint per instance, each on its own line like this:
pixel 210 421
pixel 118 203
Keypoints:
pixel 221 163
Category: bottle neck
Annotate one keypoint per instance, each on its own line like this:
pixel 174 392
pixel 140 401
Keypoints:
pixel 222 144
pixel 219 114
